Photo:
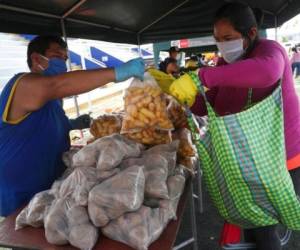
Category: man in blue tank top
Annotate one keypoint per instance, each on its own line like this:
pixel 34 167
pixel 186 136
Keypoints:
pixel 34 130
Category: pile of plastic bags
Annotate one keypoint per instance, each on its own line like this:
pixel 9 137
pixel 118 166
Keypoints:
pixel 115 185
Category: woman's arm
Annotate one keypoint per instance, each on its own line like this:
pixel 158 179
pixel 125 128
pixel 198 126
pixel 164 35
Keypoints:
pixel 199 107
pixel 261 71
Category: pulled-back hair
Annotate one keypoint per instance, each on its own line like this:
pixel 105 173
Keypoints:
pixel 40 44
pixel 241 16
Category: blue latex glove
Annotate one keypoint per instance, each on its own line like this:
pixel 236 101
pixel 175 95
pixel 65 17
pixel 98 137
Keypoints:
pixel 133 68
pixel 81 122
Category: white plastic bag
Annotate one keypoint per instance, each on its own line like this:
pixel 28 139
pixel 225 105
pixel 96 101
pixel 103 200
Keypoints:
pixel 81 181
pixel 107 152
pixel 33 214
pixel 156 174
pixel 168 151
pixel 117 195
pixel 68 157
pixel 176 184
pixel 137 229
pixel 66 223
pixel 82 233
pixel 56 222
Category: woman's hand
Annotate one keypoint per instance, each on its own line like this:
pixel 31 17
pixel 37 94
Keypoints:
pixel 184 90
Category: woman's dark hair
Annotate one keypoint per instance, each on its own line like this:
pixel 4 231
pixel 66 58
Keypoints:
pixel 40 44
pixel 241 16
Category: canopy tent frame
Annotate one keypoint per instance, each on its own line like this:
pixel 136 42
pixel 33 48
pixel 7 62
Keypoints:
pixel 137 34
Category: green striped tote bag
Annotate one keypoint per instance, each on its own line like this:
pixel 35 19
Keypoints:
pixel 243 161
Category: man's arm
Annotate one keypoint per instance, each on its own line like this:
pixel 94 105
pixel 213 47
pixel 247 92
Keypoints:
pixel 34 90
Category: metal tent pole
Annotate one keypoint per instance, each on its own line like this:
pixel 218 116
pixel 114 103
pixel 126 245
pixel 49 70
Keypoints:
pixel 163 16
pixel 139 45
pixel 63 28
pixel 276 27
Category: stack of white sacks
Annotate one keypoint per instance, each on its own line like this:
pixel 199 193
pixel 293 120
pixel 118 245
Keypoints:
pixel 114 185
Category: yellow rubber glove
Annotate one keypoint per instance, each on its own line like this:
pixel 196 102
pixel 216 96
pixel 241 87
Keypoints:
pixel 184 90
pixel 164 80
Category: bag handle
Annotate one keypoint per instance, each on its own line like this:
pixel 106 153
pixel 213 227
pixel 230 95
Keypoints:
pixel 200 87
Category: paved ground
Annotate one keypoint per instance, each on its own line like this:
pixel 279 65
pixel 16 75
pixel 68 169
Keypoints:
pixel 209 225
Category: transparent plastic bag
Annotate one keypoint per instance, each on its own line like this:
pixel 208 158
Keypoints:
pixel 168 151
pixel 186 146
pixel 145 106
pixel 117 195
pixel 82 233
pixel 33 214
pixel 68 157
pixel 114 150
pixel 66 223
pixel 137 229
pixel 176 113
pixel 105 125
pixel 107 152
pixel 81 181
pixel 190 163
pixel 151 136
pixel 156 174
pixel 56 222
pixel 176 184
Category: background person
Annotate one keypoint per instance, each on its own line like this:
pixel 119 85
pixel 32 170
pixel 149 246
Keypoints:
pixel 174 52
pixel 295 61
pixel 169 66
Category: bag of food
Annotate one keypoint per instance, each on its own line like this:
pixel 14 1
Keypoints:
pixel 81 181
pixel 117 195
pixel 33 214
pixel 68 157
pixel 115 149
pixel 176 185
pixel 56 222
pixel 66 223
pixel 168 151
pixel 186 147
pixel 107 152
pixel 105 125
pixel 82 233
pixel 137 229
pixel 156 174
pixel 190 163
pixel 151 136
pixel 145 106
pixel 176 113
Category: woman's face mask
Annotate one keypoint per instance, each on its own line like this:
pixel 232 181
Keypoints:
pixel 231 51
pixel 56 66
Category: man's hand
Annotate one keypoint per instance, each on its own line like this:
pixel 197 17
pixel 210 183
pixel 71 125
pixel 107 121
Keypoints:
pixel 81 122
pixel 133 68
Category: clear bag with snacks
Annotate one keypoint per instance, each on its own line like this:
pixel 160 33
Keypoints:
pixel 106 124
pixel 145 106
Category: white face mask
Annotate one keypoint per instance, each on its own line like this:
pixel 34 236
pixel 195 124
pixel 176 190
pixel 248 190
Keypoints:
pixel 231 51
pixel 178 56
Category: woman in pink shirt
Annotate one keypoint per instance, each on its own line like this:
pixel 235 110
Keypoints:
pixel 295 61
pixel 248 62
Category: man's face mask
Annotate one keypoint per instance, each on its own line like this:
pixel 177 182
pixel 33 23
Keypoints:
pixel 56 66
pixel 231 51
